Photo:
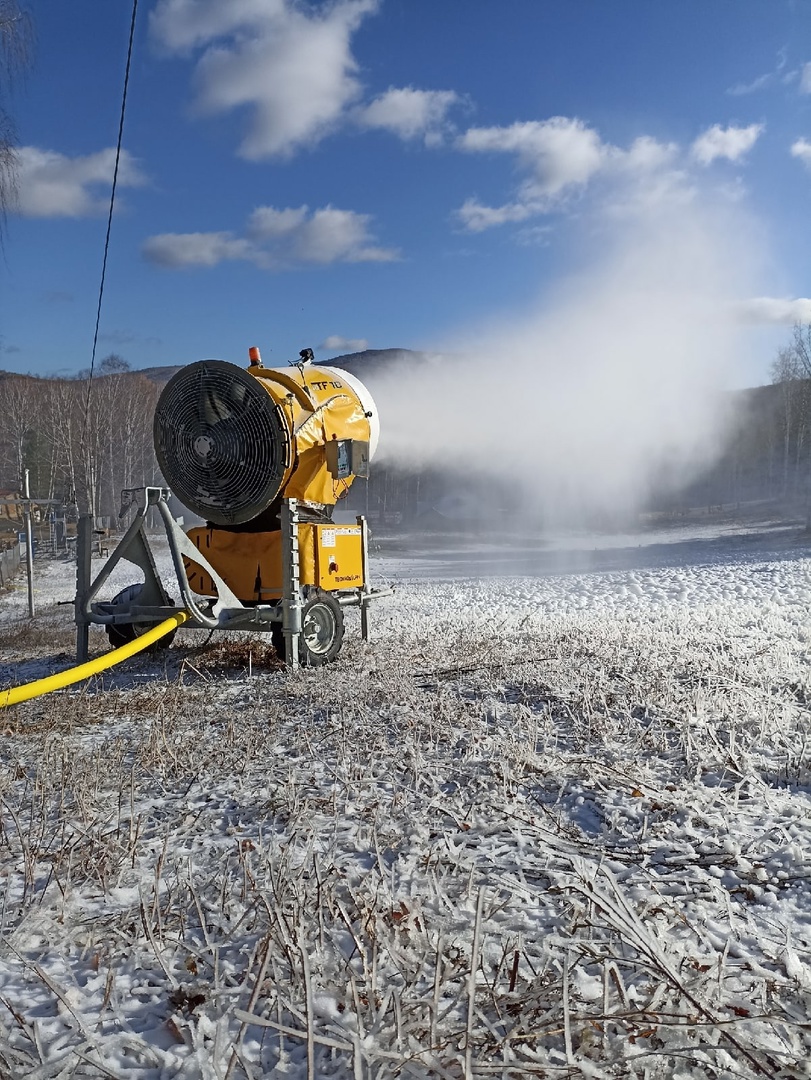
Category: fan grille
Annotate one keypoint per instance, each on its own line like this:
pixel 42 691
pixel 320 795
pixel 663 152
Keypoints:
pixel 221 442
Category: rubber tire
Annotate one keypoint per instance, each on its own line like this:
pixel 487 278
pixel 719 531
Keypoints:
pixel 119 634
pixel 322 630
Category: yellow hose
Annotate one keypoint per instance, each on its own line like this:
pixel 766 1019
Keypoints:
pixel 92 667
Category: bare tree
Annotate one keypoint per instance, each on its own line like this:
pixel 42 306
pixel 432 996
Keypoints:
pixel 19 406
pixel 109 400
pixel 83 440
pixel 60 426
pixel 801 347
pixel 787 372
pixel 792 372
pixel 15 52
pixel 114 364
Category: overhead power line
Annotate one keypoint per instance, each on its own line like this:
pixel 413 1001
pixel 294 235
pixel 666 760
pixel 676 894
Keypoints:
pixel 110 215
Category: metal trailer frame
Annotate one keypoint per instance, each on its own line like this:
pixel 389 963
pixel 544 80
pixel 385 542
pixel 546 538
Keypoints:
pixel 225 612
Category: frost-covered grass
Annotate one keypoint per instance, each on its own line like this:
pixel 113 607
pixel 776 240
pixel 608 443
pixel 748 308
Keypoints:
pixel 552 825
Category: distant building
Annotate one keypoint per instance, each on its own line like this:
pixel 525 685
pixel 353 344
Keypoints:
pixel 10 512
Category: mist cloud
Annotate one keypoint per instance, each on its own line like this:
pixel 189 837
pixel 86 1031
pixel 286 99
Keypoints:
pixel 771 309
pixel 612 378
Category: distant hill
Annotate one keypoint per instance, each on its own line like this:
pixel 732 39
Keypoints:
pixel 372 358
pixel 17 375
pixel 374 363
pixel 159 375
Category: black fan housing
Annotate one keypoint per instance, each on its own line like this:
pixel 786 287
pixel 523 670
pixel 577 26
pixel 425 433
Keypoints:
pixel 221 441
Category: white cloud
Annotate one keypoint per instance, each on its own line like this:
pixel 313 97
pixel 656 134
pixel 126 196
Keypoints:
pixel 534 236
pixel 291 65
pixel 779 74
pixel 182 250
pixel 276 239
pixel 645 154
pixel 54 185
pixel 559 153
pixel 180 25
pixel 739 89
pixel 336 343
pixel 326 236
pixel 730 143
pixel 269 223
pixel 770 309
pixel 409 113
pixel 805 79
pixel 802 149
pixel 476 217
pixel 563 155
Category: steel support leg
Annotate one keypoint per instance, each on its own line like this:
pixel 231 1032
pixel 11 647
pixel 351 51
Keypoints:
pixel 84 540
pixel 365 588
pixel 291 586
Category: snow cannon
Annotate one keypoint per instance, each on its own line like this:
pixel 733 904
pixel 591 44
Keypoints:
pixel 232 443
pixel 262 456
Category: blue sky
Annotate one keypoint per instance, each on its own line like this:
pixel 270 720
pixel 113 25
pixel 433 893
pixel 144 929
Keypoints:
pixel 391 172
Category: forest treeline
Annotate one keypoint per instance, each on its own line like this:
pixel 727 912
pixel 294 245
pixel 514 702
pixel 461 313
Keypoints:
pixel 767 451
pixel 85 440
pixel 82 440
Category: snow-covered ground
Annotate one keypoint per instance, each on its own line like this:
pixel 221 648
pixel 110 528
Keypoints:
pixel 553 820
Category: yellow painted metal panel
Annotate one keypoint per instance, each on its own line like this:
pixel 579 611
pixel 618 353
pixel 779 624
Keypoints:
pixel 251 563
pixel 319 407
pixel 339 557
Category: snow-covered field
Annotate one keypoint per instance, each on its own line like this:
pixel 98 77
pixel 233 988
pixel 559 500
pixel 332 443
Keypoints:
pixel 553 820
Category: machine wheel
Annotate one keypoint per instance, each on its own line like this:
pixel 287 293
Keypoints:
pixel 122 633
pixel 322 630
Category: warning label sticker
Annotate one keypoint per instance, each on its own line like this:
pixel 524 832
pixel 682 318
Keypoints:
pixel 328 538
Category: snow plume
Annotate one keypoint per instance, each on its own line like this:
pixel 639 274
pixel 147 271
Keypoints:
pixel 611 384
